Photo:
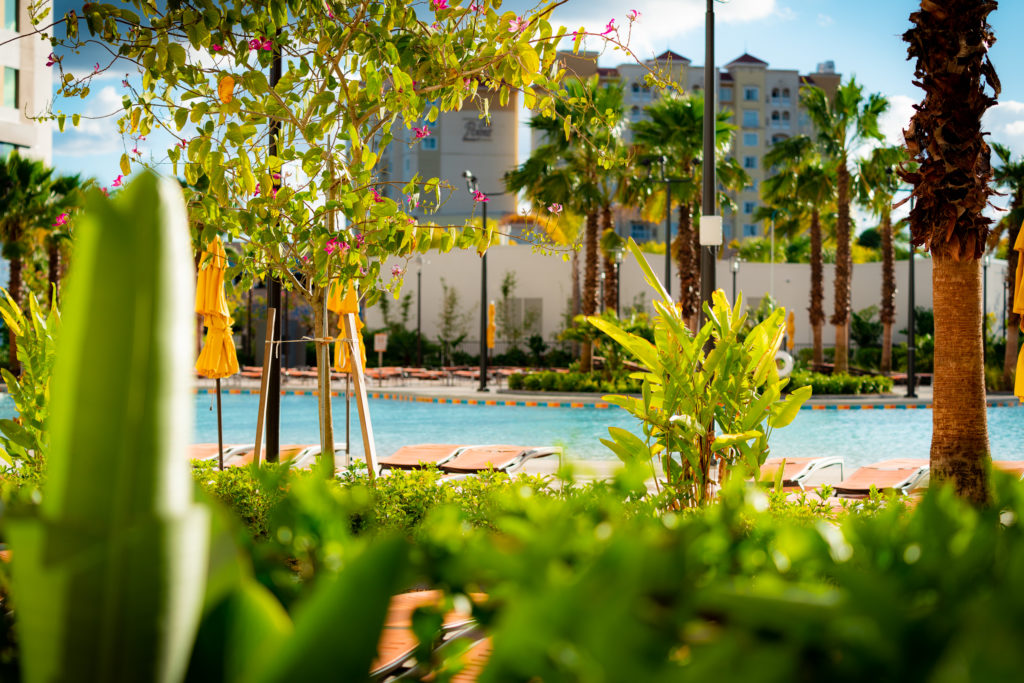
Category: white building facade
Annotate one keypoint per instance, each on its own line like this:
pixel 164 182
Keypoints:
pixel 25 85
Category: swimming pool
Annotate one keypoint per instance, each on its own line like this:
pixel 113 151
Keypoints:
pixel 860 436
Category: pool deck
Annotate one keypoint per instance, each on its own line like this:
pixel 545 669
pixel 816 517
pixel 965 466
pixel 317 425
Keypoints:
pixel 421 391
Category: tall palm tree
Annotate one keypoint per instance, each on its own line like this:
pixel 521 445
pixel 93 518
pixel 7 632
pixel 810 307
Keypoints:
pixel 843 123
pixel 577 171
pixel 950 42
pixel 25 191
pixel 876 187
pixel 674 129
pixel 65 196
pixel 1010 175
pixel 803 186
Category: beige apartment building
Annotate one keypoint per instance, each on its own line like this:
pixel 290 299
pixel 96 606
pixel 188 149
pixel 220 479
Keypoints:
pixel 765 106
pixel 25 85
pixel 459 141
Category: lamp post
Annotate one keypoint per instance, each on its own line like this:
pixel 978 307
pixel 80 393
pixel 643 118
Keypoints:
pixel 618 281
pixel 473 187
pixel 734 266
pixel 668 226
pixel 273 409
pixel 707 231
pixel 419 310
pixel 986 261
pixel 602 277
pixel 911 335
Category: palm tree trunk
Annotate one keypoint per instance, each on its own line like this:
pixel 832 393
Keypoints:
pixel 589 285
pixel 887 314
pixel 54 268
pixel 686 262
pixel 817 307
pixel 844 268
pixel 1012 319
pixel 608 263
pixel 576 298
pixel 14 288
pixel 959 452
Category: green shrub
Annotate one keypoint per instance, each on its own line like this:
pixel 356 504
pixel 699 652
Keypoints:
pixel 515 382
pixel 840 383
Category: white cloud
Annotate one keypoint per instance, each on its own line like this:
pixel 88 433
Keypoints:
pixel 1005 122
pixel 96 134
pixel 786 14
pixel 825 20
pixel 892 123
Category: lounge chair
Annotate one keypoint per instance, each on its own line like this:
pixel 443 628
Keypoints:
pixel 501 458
pixel 1014 467
pixel 902 474
pixel 419 455
pixel 297 455
pixel 208 451
pixel 802 474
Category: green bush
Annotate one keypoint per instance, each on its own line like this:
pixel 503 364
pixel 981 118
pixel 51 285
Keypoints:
pixel 840 383
pixel 573 382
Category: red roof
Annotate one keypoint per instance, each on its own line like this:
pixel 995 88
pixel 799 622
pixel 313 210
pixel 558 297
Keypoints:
pixel 607 71
pixel 668 54
pixel 747 58
pixel 725 77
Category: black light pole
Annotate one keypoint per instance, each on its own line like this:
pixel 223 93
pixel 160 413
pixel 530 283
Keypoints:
pixel 419 311
pixel 911 335
pixel 734 266
pixel 707 254
pixel 273 418
pixel 986 260
pixel 668 226
pixel 472 186
pixel 618 282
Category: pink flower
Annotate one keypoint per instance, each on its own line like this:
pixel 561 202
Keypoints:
pixel 632 15
pixel 216 47
pixel 125 83
pixel 360 240
pixel 377 199
pixel 516 25
pixel 330 14
pixel 267 45
pixel 609 28
pixel 275 176
pixel 410 220
pixel 254 44
pixel 183 144
pixel 96 68
pixel 117 182
pixel 136 152
pixel 413 203
pixel 51 60
pixel 61 220
pixel 479 196
pixel 555 208
pixel 438 4
pixel 105 191
pixel 421 132
pixel 257 192
pixel 331 246
pixel 396 271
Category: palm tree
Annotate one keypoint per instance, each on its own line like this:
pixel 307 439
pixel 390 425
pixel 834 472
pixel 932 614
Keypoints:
pixel 575 171
pixel 25 192
pixel 65 197
pixel 876 187
pixel 843 124
pixel 802 186
pixel 1010 175
pixel 950 42
pixel 674 129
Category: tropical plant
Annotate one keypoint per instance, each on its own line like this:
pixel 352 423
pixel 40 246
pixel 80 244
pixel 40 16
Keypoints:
pixel 452 323
pixel 843 122
pixel 695 384
pixel 876 186
pixel 513 322
pixel 24 442
pixel 802 185
pixel 950 45
pixel 1009 174
pixel 673 130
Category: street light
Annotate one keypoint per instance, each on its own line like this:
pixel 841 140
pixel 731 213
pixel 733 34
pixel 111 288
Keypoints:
pixel 708 245
pixel 473 187
pixel 734 266
pixel 618 280
pixel 419 309
pixel 602 277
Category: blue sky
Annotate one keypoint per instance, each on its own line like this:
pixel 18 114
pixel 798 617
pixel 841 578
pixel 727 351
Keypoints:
pixel 862 38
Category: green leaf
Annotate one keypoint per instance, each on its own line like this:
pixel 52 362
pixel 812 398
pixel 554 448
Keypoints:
pixel 126 165
pixel 723 441
pixel 628 446
pixel 578 40
pixel 785 412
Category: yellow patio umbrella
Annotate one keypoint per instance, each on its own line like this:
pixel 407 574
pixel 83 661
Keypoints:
pixel 341 304
pixel 490 325
pixel 217 358
pixel 791 331
pixel 1018 308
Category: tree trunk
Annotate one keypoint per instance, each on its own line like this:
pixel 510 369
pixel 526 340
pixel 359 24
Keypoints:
pixel 887 313
pixel 1012 319
pixel 960 452
pixel 844 267
pixel 576 305
pixel 589 285
pixel 608 263
pixel 817 307
pixel 14 288
pixel 54 274
pixel 323 383
pixel 687 264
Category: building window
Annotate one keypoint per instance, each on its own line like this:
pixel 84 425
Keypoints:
pixel 429 143
pixel 748 207
pixel 779 137
pixel 785 95
pixel 752 187
pixel 749 162
pixel 750 139
pixel 11 15
pixel 725 95
pixel 751 93
pixel 10 87
pixel 785 119
pixel 776 120
pixel 640 232
pixel 749 229
pixel 750 118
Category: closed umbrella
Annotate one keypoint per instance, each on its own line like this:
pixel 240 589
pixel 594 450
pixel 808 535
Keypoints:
pixel 490 325
pixel 341 304
pixel 217 358
pixel 1018 307
pixel 791 331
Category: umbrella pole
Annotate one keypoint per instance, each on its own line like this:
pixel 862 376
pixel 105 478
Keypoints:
pixel 264 380
pixel 220 431
pixel 348 420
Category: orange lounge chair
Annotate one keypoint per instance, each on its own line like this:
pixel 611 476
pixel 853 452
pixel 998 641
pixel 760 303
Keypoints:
pixel 501 458
pixel 294 454
pixel 901 474
pixel 420 455
pixel 1014 467
pixel 208 451
pixel 801 474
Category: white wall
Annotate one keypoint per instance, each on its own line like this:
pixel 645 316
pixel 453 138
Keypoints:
pixel 549 277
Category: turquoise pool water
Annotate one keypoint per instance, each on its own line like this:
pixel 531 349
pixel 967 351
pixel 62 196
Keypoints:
pixel 861 436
